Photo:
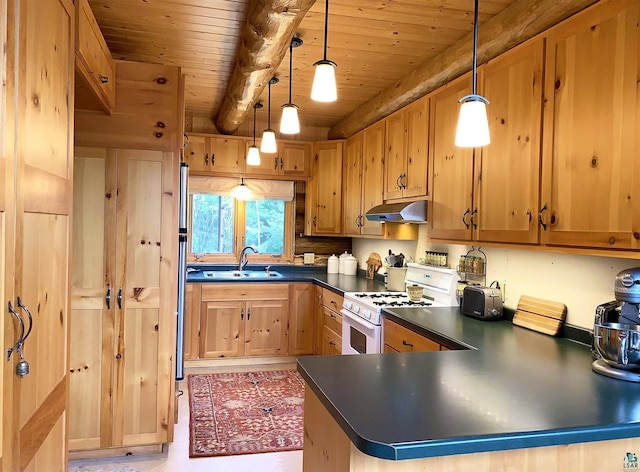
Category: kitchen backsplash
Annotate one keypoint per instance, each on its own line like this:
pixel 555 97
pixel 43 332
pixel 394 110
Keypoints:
pixel 580 282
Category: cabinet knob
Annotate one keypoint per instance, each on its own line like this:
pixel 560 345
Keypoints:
pixel 103 78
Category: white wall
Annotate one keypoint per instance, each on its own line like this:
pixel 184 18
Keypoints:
pixel 580 282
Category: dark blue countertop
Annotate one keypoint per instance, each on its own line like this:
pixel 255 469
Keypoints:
pixel 337 282
pixel 511 388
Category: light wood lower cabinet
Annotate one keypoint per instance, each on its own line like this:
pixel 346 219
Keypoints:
pixel 331 322
pixel 123 308
pixel 400 339
pixel 192 321
pixel 301 318
pixel 244 320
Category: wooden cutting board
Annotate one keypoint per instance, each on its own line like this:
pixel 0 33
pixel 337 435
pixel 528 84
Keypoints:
pixel 540 315
pixel 373 264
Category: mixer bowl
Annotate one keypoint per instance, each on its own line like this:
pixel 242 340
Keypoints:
pixel 618 344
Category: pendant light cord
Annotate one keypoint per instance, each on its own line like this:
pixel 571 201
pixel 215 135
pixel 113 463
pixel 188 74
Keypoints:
pixel 475 46
pixel 254 125
pixel 291 67
pixel 268 109
pixel 326 27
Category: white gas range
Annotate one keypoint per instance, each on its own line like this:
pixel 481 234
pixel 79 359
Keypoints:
pixel 362 311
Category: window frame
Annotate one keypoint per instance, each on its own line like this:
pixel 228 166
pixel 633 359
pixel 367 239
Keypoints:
pixel 239 213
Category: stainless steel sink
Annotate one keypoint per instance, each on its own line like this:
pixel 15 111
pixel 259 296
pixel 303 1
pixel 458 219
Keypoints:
pixel 240 274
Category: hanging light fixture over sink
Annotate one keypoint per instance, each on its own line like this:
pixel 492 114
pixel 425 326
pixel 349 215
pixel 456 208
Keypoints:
pixel 324 80
pixel 268 144
pixel 289 123
pixel 253 154
pixel 473 125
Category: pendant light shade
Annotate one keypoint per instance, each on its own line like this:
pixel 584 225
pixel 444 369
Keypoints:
pixel 473 125
pixel 324 81
pixel 268 144
pixel 289 122
pixel 253 153
pixel 241 191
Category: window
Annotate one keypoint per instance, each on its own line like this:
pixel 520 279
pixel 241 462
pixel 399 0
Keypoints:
pixel 222 225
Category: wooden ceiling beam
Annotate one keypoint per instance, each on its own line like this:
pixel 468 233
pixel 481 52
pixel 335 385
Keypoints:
pixel 264 42
pixel 514 25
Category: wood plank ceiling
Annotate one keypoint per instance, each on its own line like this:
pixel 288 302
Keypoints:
pixel 374 43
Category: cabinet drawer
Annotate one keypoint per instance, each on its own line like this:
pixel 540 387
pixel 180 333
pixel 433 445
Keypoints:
pixel 404 340
pixel 331 299
pixel 331 342
pixel 246 291
pixel 332 320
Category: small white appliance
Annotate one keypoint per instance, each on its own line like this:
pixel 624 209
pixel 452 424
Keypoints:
pixel 362 311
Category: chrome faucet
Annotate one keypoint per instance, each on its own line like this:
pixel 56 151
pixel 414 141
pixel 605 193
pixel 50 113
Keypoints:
pixel 243 256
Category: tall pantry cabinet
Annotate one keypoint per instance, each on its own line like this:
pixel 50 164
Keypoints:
pixel 36 168
pixel 122 228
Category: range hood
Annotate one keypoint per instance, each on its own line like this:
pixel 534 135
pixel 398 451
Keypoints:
pixel 410 212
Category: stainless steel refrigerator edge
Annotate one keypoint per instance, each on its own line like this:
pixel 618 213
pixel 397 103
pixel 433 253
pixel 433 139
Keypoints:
pixel 182 268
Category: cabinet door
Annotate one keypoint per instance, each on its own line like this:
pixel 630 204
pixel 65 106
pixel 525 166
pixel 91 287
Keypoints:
pixel 590 155
pixel 452 190
pixel 93 300
pixel 226 155
pixel 416 120
pixel 352 186
pixel 372 175
pixel 318 317
pixel 295 160
pixel 301 318
pixel 37 142
pixel 222 332
pixel 196 154
pixel 145 314
pixel 400 339
pixel 269 163
pixel 394 165
pixel 266 328
pixel 328 186
pixel 508 180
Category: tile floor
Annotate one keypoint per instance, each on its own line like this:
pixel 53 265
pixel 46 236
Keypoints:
pixel 175 456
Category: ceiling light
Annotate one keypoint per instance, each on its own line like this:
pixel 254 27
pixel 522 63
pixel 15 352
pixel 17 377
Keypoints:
pixel 473 125
pixel 324 80
pixel 241 191
pixel 253 154
pixel 289 123
pixel 268 144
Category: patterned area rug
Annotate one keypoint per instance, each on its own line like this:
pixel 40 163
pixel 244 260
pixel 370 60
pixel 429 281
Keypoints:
pixel 245 413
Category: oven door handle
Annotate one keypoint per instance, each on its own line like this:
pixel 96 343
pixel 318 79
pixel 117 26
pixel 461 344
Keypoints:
pixel 355 319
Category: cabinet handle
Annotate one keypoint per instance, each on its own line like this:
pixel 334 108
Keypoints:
pixel 242 313
pixel 405 343
pixel 275 163
pixel 213 159
pixel 404 181
pixel 24 308
pixel 332 315
pixel 103 78
pixel 464 216
pixel 529 215
pixel 281 163
pixel 18 345
pixel 22 367
pixel 473 214
pixel 331 343
pixel 544 226
pixel 119 298
pixel 333 302
pixel 206 159
pixel 398 184
pixel 107 298
pixel 314 220
pixel 248 314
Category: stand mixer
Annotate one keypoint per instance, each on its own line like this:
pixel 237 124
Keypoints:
pixel 616 330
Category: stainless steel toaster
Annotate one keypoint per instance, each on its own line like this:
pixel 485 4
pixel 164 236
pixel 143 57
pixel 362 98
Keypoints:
pixel 484 303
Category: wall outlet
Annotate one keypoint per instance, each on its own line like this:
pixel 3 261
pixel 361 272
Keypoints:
pixel 309 258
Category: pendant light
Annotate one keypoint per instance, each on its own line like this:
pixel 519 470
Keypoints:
pixel 268 144
pixel 241 191
pixel 289 123
pixel 253 154
pixel 324 80
pixel 473 125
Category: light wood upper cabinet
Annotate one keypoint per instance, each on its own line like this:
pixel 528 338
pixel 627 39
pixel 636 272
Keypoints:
pixel 324 194
pixel 196 154
pixel 301 318
pixel 121 328
pixel 590 193
pixel 406 164
pixel 291 162
pixel 244 320
pixel 372 176
pixel 352 185
pixel 226 155
pixel 452 189
pixel 95 66
pixel 507 181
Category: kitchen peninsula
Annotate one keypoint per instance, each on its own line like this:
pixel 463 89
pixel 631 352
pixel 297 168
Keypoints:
pixel 513 398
